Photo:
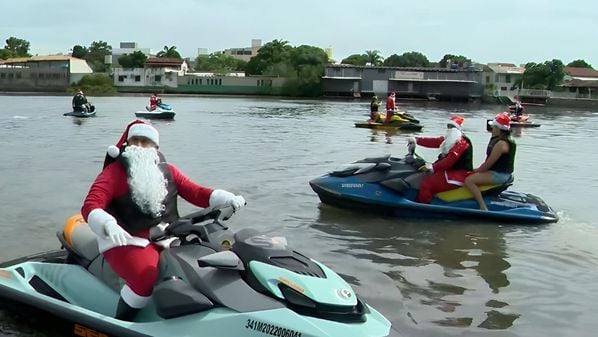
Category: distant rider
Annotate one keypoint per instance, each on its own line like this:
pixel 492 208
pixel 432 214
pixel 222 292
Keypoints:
pixel 374 105
pixel 518 110
pixel 500 159
pixel 390 107
pixel 80 103
pixel 154 101
pixel 454 163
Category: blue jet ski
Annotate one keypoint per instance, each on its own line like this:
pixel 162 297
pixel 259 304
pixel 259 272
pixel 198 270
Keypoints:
pixel 212 283
pixel 389 185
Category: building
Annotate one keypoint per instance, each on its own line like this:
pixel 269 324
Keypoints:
pixel 581 82
pixel 156 72
pixel 499 79
pixel 42 73
pixel 246 53
pixel 233 83
pixel 424 83
pixel 125 48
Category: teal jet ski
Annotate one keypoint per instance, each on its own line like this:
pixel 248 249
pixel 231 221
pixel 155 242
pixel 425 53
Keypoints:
pixel 212 283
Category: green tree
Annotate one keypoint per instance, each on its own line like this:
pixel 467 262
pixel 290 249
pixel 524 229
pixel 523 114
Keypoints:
pixel 219 63
pixel 134 60
pixel 79 51
pixel 373 57
pixel 408 59
pixel 545 75
pixel 579 64
pixel 95 85
pixel 169 52
pixel 6 54
pixel 270 57
pixel 19 47
pixel 96 53
pixel 459 60
pixel 355 59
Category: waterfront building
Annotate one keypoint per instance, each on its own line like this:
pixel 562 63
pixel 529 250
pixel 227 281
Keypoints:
pixel 156 72
pixel 42 73
pixel 407 82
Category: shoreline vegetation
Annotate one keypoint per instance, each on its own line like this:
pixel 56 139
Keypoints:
pixel 302 68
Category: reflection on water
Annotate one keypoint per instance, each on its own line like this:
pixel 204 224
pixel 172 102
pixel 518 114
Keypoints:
pixel 441 267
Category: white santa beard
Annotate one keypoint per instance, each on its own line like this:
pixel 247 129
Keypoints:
pixel 452 136
pixel 146 181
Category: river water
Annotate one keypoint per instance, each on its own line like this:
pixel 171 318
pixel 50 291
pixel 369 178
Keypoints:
pixel 430 278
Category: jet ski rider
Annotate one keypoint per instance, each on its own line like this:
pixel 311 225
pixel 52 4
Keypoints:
pixel 454 163
pixel 136 190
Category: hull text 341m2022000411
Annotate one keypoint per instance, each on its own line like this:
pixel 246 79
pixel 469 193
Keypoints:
pixel 212 283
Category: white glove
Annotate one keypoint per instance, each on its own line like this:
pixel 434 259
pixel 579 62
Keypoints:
pixel 222 198
pixel 427 168
pixel 116 233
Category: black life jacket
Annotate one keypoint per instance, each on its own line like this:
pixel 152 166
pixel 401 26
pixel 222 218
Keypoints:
pixel 131 217
pixel 79 100
pixel 506 162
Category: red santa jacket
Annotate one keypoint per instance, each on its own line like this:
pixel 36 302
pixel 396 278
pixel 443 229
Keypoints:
pixel 447 162
pixel 112 183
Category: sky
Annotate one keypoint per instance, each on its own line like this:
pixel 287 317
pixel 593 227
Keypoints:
pixel 513 31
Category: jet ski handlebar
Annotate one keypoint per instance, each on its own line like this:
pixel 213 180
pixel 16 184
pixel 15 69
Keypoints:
pixel 193 223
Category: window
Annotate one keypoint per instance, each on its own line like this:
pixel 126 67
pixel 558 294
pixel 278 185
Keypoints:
pixel 496 78
pixel 220 81
pixel 200 80
pixel 487 79
pixel 2 75
pixel 503 88
pixel 121 78
pixel 40 76
pixel 158 78
pixel 137 78
pixel 508 78
pixel 18 75
pixel 11 75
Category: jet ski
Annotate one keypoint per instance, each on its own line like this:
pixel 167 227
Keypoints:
pixel 400 120
pixel 389 185
pixel 162 111
pixel 81 114
pixel 212 283
pixel 82 111
pixel 522 122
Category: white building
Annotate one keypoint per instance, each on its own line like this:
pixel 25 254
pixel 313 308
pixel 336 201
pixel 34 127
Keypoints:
pixel 156 72
pixel 499 78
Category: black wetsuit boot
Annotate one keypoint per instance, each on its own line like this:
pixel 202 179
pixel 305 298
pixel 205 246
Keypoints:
pixel 125 312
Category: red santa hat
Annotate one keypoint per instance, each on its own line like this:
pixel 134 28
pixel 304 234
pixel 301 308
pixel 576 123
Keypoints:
pixel 502 121
pixel 134 128
pixel 456 121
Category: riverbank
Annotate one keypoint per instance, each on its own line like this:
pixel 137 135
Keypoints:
pixel 488 100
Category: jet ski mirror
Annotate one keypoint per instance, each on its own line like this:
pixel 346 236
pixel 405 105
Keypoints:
pixel 221 260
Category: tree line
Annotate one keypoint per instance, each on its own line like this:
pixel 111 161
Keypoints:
pixel 303 66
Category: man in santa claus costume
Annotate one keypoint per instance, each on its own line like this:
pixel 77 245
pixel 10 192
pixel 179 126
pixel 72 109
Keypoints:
pixel 135 191
pixel 454 163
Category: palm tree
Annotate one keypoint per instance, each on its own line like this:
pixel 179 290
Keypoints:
pixel 373 57
pixel 169 52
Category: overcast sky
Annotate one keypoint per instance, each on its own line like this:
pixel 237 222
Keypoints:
pixel 515 31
